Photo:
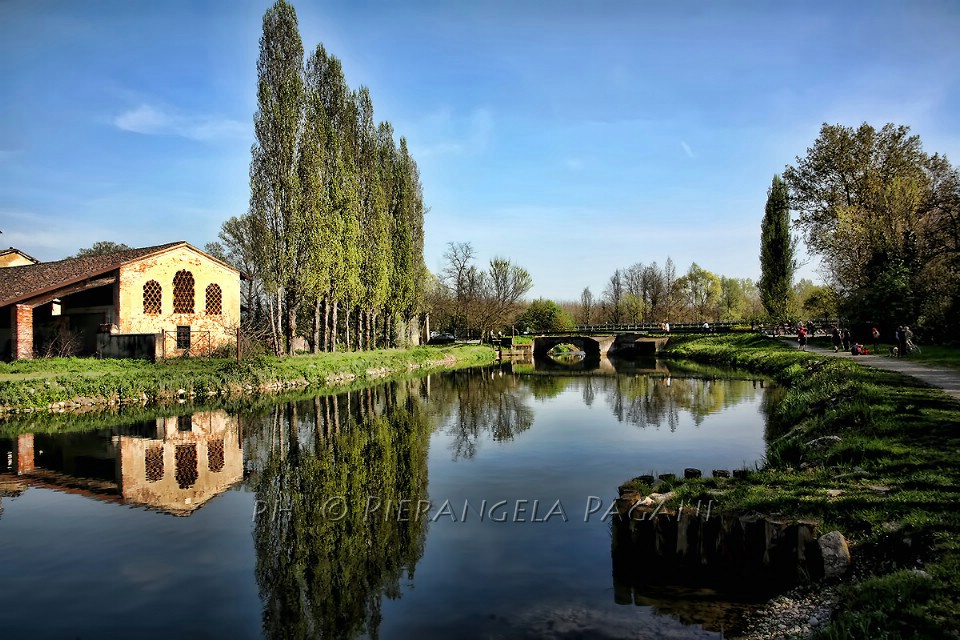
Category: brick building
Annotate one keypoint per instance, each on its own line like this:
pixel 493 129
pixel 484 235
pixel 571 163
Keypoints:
pixel 150 302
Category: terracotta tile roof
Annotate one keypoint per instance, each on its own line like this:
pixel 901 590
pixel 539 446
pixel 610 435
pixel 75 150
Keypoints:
pixel 18 283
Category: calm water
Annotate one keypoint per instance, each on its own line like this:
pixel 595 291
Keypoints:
pixel 289 521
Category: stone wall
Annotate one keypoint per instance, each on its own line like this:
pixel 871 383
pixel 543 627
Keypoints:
pixel 747 554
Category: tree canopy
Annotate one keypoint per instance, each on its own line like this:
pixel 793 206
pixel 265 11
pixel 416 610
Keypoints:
pixel 884 217
pixel 101 248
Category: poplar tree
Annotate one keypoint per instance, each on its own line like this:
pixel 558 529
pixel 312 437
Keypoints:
pixel 777 263
pixel 375 241
pixel 274 183
pixel 402 274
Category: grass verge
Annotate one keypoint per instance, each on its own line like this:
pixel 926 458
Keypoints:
pixel 41 384
pixel 871 453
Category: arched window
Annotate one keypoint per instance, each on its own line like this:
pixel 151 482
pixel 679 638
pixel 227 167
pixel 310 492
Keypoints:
pixel 153 463
pixel 185 456
pixel 215 458
pixel 152 297
pixel 183 292
pixel 214 300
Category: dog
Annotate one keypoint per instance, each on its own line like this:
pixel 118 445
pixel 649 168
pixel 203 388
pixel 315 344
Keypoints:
pixel 894 352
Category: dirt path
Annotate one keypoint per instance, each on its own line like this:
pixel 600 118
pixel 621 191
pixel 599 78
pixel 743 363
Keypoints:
pixel 942 377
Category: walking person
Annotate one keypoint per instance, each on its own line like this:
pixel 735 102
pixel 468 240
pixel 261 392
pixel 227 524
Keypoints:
pixel 902 341
pixel 846 339
pixel 802 338
pixel 875 333
pixel 835 336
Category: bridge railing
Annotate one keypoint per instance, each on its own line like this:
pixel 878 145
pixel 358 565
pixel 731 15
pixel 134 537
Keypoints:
pixel 656 327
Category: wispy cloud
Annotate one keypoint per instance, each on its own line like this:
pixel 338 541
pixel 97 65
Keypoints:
pixel 158 121
pixel 687 149
pixel 444 133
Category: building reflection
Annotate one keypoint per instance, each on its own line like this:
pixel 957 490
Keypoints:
pixel 174 464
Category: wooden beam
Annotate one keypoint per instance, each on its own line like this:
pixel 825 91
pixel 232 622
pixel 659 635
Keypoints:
pixel 50 296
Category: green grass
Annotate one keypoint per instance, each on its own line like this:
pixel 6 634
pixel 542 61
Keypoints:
pixel 897 463
pixel 39 383
pixel 939 355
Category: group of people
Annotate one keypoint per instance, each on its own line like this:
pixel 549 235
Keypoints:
pixel 904 338
pixel 842 339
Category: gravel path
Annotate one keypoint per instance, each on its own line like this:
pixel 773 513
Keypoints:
pixel 942 377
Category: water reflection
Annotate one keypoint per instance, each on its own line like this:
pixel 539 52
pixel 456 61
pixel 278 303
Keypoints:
pixel 320 564
pixel 173 464
pixel 330 542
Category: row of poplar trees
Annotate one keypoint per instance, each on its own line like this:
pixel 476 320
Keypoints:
pixel 334 232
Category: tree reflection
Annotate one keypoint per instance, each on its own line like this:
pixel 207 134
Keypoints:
pixel 324 558
pixel 658 401
pixel 494 403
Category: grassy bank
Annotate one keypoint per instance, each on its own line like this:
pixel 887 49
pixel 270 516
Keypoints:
pixel 40 384
pixel 885 472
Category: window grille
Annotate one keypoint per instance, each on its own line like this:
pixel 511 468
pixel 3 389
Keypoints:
pixel 153 461
pixel 152 298
pixel 186 459
pixel 215 456
pixel 183 292
pixel 183 337
pixel 214 300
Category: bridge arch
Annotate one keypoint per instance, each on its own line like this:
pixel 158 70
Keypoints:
pixel 593 346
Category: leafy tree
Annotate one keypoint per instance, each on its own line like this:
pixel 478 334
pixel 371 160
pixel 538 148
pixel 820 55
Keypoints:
pixel 544 315
pixel 274 185
pixel 736 296
pixel 100 248
pixel 702 291
pixel 881 212
pixel 374 223
pixel 777 262
pixel 812 301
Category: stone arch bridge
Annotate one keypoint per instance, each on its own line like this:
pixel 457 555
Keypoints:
pixel 600 345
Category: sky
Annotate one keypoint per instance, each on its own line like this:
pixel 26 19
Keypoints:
pixel 573 138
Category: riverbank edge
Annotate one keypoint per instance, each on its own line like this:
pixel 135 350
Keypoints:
pixel 869 453
pixel 70 385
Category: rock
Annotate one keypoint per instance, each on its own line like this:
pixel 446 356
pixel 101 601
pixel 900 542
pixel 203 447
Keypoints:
pixel 920 573
pixel 835 493
pixel 835 553
pixel 879 488
pixel 822 443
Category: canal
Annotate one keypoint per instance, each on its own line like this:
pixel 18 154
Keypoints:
pixel 470 504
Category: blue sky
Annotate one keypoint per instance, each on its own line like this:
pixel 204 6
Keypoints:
pixel 572 137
